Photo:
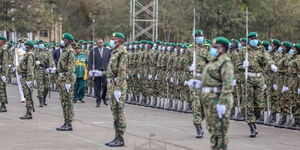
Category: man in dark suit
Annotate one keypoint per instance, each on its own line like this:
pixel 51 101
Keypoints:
pixel 56 54
pixel 98 62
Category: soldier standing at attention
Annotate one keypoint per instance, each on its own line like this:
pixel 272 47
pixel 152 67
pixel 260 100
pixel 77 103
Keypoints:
pixel 217 90
pixel 116 72
pixel 66 79
pixel 25 70
pixel 3 73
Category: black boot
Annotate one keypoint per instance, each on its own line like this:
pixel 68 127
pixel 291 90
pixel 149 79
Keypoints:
pixel 44 101
pixel 252 130
pixel 82 101
pixel 3 109
pixel 66 127
pixel 105 101
pixel 256 131
pixel 199 130
pixel 98 102
pixel 119 142
pixel 116 136
pixel 41 102
pixel 26 116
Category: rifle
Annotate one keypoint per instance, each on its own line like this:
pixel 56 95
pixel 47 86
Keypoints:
pixel 246 58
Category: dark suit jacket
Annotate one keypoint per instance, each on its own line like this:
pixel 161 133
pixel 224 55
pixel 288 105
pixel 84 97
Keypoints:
pixel 56 56
pixel 101 63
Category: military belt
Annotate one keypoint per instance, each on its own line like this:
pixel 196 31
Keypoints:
pixel 250 74
pixel 207 90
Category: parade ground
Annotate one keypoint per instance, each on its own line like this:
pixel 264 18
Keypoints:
pixel 147 128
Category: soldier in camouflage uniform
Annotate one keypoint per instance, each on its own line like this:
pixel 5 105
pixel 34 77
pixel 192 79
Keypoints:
pixel 4 59
pixel 43 62
pixel 201 61
pixel 116 72
pixel 66 80
pixel 258 58
pixel 25 70
pixel 217 89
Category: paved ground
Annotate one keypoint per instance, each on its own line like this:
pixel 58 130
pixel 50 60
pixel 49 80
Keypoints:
pixel 93 127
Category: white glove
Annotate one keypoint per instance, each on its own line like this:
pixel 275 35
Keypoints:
pixel 221 109
pixel 53 70
pixel 274 68
pixel 3 78
pixel 150 76
pixel 68 87
pixel 265 86
pixel 194 83
pixel 28 83
pixel 284 89
pixel 233 82
pixel 275 87
pixel 14 69
pixel 193 67
pixel 298 91
pixel 117 95
pixel 98 73
pixel 245 64
pixel 172 79
pixel 139 76
pixel 37 62
pixel 127 77
pixel 156 77
pixel 177 81
pixel 186 83
pixel 48 70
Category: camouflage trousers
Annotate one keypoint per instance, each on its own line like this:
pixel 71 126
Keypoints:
pixel 198 108
pixel 214 124
pixel 66 101
pixel 42 81
pixel 27 95
pixel 3 95
pixel 254 102
pixel 117 109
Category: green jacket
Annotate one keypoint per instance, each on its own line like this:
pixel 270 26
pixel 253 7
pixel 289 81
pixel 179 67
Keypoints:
pixel 81 62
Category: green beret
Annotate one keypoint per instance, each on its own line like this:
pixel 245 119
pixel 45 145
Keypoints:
pixel 221 40
pixel 150 43
pixel 68 36
pixel 133 42
pixel 180 45
pixel 119 35
pixel 276 42
pixel 2 38
pixel 287 44
pixel 92 42
pixel 81 41
pixel 265 43
pixel 234 41
pixel 259 42
pixel 297 46
pixel 198 32
pixel 105 44
pixel 243 40
pixel 252 34
pixel 30 43
pixel 207 41
pixel 173 44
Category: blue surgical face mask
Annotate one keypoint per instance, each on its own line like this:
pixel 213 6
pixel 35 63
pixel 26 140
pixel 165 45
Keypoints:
pixel 135 46
pixel 214 52
pixel 82 46
pixel 254 43
pixel 41 46
pixel 240 46
pixel 153 48
pixel 112 43
pixel 175 50
pixel 280 50
pixel 24 48
pixel 270 49
pixel 56 48
pixel 62 43
pixel 163 48
pixel 22 44
pixel 292 52
pixel 146 46
pixel 181 51
pixel 159 48
pixel 199 39
pixel 141 46
pixel 169 49
pixel 130 46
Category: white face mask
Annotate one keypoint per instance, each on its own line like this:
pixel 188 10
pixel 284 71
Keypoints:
pixel 181 51
pixel 130 46
pixel 175 50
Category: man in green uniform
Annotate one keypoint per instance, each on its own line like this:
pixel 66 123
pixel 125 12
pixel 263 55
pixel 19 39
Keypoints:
pixel 217 88
pixel 25 70
pixel 66 79
pixel 81 72
pixel 3 73
pixel 256 62
pixel 116 72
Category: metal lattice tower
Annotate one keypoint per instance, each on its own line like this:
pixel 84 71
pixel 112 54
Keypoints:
pixel 144 19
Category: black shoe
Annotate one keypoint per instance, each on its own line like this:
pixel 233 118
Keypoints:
pixel 199 130
pixel 82 101
pixel 2 109
pixel 105 101
pixel 256 131
pixel 252 130
pixel 41 102
pixel 98 102
pixel 119 142
pixel 26 116
pixel 107 144
pixel 65 127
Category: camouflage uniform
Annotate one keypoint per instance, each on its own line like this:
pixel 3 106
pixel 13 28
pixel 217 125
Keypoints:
pixel 66 72
pixel 219 74
pixel 116 72
pixel 25 70
pixel 4 59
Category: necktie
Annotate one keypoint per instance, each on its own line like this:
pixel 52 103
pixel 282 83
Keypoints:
pixel 101 52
